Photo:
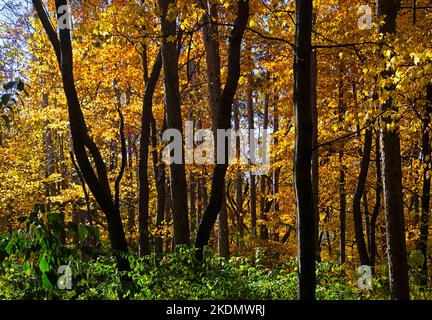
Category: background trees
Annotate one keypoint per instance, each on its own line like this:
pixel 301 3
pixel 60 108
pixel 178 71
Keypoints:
pixel 85 138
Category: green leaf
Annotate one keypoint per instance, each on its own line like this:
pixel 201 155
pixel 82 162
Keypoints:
pixel 10 85
pixel 5 98
pixel 46 282
pixel 415 259
pixel 20 85
pixel 9 248
pixel 94 231
pixel 43 264
pixel 83 232
pixel 27 268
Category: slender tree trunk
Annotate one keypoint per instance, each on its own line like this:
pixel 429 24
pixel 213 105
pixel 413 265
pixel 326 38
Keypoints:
pixel 168 214
pixel 357 214
pixel 199 200
pixel 159 173
pixel 377 206
pixel 212 51
pixel 392 174
pixel 204 195
pixel 263 198
pixel 306 219
pixel 130 200
pixel 223 234
pixel 342 209
pixel 238 184
pixel 200 192
pixel 174 121
pixel 144 188
pixel 192 203
pixel 425 197
pixel 224 122
pixel 315 153
pixel 211 43
pixel 366 220
pixel 251 124
pixel 276 173
pixel 81 140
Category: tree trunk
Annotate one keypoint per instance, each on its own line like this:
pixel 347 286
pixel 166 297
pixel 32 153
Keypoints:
pixel 425 197
pixel 159 174
pixel 392 175
pixel 223 234
pixel 224 122
pixel 342 209
pixel 168 213
pixel 144 188
pixel 212 51
pixel 130 199
pixel 211 43
pixel 81 140
pixel 276 173
pixel 306 218
pixel 315 152
pixel 192 203
pixel 263 198
pixel 251 125
pixel 366 220
pixel 238 184
pixel 357 214
pixel 377 206
pixel 174 121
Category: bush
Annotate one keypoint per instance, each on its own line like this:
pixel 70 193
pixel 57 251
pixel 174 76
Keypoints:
pixel 30 258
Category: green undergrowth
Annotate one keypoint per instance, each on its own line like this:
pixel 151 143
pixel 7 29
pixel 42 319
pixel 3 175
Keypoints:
pixel 30 261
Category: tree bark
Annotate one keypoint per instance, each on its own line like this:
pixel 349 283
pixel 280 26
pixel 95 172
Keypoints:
pixel 224 122
pixel 263 199
pixel 251 125
pixel 160 177
pixel 306 218
pixel 377 206
pixel 276 173
pixel 212 50
pixel 192 203
pixel 144 189
pixel 342 209
pixel 81 141
pixel 130 198
pixel 392 175
pixel 425 197
pixel 239 183
pixel 357 214
pixel 315 153
pixel 223 233
pixel 174 121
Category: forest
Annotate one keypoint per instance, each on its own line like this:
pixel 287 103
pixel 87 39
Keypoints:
pixel 215 150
